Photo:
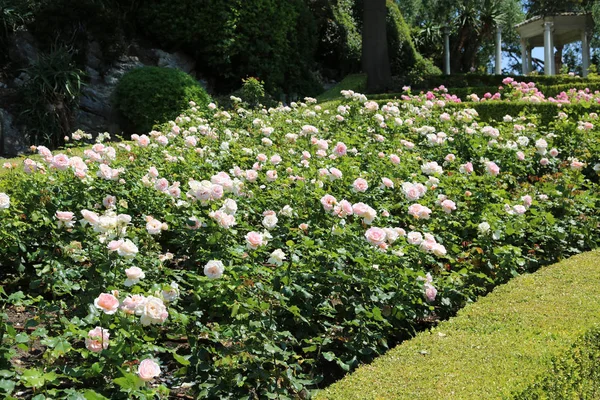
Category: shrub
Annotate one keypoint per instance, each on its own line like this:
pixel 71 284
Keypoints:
pixel 531 339
pixel 152 95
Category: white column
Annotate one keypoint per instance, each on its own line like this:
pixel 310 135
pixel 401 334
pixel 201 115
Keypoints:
pixel 529 59
pixel 447 50
pixel 585 52
pixel 524 60
pixel 548 49
pixel 498 50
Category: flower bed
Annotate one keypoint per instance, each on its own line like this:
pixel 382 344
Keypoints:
pixel 254 254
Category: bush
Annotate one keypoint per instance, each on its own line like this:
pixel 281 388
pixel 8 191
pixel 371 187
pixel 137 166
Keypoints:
pixel 531 339
pixel 152 95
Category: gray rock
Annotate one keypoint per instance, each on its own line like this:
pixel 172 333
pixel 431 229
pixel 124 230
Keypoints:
pixel 13 141
pixel 176 60
pixel 22 49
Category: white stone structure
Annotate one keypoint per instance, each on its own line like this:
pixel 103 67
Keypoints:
pixel 555 31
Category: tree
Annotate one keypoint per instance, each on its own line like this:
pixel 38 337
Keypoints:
pixel 375 57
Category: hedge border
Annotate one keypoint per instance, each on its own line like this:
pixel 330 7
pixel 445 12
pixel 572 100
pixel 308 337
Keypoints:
pixel 535 337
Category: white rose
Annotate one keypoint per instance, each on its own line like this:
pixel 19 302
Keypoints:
pixel 214 269
pixel 270 221
pixel 134 274
pixel 154 311
pixel 277 257
pixel 127 249
pixel 4 201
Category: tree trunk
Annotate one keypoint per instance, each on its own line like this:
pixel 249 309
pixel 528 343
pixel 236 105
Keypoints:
pixel 375 58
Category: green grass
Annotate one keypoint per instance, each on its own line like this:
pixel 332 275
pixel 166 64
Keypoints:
pixel 536 337
pixel 356 82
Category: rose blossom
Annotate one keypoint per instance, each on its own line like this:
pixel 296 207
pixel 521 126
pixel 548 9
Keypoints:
pixel 214 269
pixel 270 219
pixel 375 236
pixel 418 211
pixel 65 218
pixel 153 311
pixel 360 185
pixel 328 201
pixel 134 274
pixel 430 292
pixel 107 303
pixel 134 304
pixel 4 201
pixel 448 206
pixel 97 339
pixel 148 370
pixel 492 168
pixel 254 240
pixel 277 257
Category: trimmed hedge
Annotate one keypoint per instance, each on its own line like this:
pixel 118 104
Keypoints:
pixel 536 337
pixel 478 80
pixel 149 96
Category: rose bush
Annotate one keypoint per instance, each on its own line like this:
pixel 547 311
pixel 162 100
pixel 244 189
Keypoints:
pixel 208 260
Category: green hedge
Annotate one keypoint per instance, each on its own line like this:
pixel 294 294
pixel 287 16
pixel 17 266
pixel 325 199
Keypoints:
pixel 474 80
pixel 537 337
pixel 548 90
pixel 149 96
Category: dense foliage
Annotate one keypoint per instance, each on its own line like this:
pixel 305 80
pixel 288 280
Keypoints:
pixel 254 254
pixel 152 95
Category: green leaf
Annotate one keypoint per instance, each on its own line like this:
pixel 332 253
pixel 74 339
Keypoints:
pixel 32 378
pixel 22 338
pixel 128 381
pixel 328 355
pixel 181 359
pixel 91 395
pixel 7 386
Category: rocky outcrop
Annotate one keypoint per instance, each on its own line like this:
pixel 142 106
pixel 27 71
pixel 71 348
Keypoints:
pixel 12 140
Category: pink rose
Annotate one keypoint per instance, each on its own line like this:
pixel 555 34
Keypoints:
pixel 394 159
pixel 360 185
pixel 340 149
pixel 271 175
pixel 107 303
pixel 148 370
pixel 254 240
pixel 328 201
pixel 60 161
pixel 492 168
pixel 375 236
pixel 448 206
pixel 65 218
pixel 430 292
pixel 387 182
pixel 360 209
pixel 97 339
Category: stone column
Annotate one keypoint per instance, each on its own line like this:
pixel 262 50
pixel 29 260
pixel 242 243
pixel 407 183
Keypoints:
pixel 446 50
pixel 498 50
pixel 548 49
pixel 524 58
pixel 585 52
